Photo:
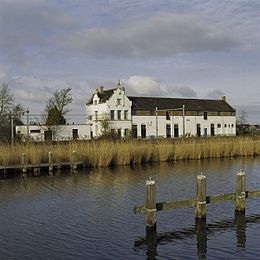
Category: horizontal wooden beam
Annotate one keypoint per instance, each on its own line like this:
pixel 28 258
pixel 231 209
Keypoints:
pixel 175 204
pixel 220 198
pixel 252 194
pixel 163 206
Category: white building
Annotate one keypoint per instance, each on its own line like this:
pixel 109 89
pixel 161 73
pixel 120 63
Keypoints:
pixel 54 133
pixel 151 117
pixel 141 117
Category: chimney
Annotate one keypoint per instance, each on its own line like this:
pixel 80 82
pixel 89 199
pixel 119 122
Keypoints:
pixel 224 98
pixel 100 90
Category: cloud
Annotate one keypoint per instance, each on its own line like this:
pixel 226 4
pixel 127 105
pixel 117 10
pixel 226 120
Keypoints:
pixel 27 28
pixel 216 94
pixel 160 36
pixel 143 85
pixel 183 91
pixel 149 86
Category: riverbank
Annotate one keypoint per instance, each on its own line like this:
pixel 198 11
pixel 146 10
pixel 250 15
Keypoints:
pixel 128 152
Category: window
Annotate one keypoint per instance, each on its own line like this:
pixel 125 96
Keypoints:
pixel 232 125
pixel 168 116
pixel 90 117
pixel 35 131
pixel 112 114
pixel 119 133
pixel 205 115
pixel 219 125
pixel 118 101
pixel 96 115
pixel 225 125
pixel 95 102
pixel 119 114
pixel 126 114
pixel 113 131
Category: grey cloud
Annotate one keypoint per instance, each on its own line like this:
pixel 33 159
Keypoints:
pixel 184 91
pixel 160 36
pixel 216 94
pixel 28 26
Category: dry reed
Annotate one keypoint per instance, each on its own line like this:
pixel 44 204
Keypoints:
pixel 126 152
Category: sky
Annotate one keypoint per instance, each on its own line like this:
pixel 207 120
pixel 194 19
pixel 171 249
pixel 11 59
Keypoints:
pixel 167 48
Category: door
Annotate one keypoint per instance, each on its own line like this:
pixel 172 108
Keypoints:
pixel 205 132
pixel 75 134
pixel 212 130
pixel 176 130
pixel 168 131
pixel 134 131
pixel 143 131
pixel 48 135
pixel 198 130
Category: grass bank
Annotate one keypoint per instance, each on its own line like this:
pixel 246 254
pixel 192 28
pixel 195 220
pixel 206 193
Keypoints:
pixel 106 153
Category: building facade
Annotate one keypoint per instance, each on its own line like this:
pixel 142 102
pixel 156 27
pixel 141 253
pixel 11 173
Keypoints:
pixel 151 117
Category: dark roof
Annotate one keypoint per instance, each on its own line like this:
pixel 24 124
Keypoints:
pixel 104 96
pixel 150 103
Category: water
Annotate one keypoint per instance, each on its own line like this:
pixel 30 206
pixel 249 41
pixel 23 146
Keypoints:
pixel 89 215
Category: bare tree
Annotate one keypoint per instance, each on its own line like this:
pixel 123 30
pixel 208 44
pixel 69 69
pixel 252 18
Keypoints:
pixel 8 108
pixel 56 107
pixel 242 118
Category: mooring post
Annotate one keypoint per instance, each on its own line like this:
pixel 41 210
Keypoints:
pixel 74 158
pixel 24 168
pixel 50 162
pixel 240 191
pixel 200 208
pixel 150 204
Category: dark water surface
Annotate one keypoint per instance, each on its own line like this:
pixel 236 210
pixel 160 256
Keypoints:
pixel 89 215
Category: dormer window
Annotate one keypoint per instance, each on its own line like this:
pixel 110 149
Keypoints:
pixel 118 101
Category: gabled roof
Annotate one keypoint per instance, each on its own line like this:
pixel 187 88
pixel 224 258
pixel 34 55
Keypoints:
pixel 104 96
pixel 150 103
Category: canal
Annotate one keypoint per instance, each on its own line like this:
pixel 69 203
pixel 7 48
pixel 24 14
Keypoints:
pixel 89 215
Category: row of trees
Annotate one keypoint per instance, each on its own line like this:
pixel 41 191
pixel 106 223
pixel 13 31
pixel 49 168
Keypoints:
pixel 53 114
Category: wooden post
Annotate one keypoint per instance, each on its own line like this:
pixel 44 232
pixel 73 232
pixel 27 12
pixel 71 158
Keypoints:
pixel 200 208
pixel 24 168
pixel 240 192
pixel 50 162
pixel 74 158
pixel 150 204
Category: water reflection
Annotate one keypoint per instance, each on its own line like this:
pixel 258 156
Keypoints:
pixel 201 231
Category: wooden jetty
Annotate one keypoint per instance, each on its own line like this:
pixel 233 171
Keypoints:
pixel 26 168
pixel 199 203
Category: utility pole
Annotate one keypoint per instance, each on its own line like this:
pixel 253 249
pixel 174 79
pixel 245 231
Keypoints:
pixel 183 120
pixel 12 129
pixel 156 121
pixel 27 122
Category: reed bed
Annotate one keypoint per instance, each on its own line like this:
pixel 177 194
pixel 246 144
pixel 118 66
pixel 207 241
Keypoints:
pixel 103 153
